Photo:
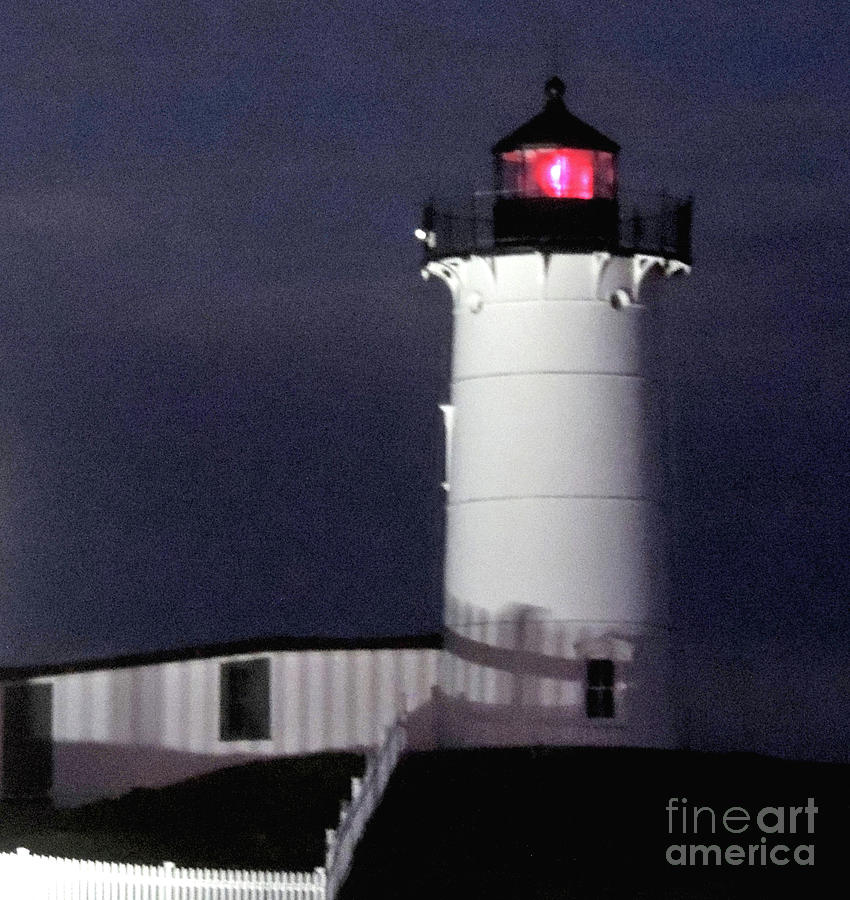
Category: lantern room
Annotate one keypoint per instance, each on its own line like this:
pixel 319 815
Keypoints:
pixel 556 180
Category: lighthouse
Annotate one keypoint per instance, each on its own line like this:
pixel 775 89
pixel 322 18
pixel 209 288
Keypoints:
pixel 557 619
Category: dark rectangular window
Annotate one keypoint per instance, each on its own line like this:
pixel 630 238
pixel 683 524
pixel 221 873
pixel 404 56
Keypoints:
pixel 600 689
pixel 245 700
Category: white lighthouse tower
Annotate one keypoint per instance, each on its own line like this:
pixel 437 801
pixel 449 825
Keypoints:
pixel 556 593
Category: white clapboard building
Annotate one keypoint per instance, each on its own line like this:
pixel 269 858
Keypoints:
pixel 556 601
pixel 100 728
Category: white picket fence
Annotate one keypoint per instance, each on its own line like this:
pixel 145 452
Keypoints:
pixel 26 876
pixel 354 816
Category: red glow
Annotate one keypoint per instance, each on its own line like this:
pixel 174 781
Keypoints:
pixel 565 173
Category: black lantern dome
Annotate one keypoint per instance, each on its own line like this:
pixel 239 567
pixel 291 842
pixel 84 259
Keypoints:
pixel 556 126
pixel 556 180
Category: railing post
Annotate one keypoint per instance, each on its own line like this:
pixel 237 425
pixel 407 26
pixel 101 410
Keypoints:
pixel 637 231
pixel 168 880
pixel 683 229
pixel 330 846
pixel 428 215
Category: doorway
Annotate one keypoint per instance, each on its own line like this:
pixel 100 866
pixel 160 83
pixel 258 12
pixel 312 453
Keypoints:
pixel 27 740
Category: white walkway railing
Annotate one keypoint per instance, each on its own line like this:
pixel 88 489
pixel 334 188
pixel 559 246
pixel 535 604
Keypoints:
pixel 25 876
pixel 366 794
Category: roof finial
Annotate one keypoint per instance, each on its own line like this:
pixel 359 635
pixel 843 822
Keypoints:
pixel 555 88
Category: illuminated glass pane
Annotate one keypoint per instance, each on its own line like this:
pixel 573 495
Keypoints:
pixel 564 173
pixel 559 172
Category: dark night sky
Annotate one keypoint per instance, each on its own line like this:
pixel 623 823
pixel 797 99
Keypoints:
pixel 221 368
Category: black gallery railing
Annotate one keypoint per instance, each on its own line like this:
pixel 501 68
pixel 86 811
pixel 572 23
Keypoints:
pixel 654 224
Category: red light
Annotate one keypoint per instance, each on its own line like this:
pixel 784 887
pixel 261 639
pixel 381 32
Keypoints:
pixel 565 173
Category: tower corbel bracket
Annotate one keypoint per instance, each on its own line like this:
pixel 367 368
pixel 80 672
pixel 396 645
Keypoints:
pixel 674 266
pixel 455 273
pixel 641 264
pixel 600 259
pixel 445 272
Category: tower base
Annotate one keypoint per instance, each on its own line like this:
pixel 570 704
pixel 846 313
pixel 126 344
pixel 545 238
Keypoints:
pixel 523 679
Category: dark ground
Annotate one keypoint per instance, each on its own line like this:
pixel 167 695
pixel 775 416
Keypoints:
pixel 265 815
pixel 588 823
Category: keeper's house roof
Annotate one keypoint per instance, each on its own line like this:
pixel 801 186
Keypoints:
pixel 230 648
